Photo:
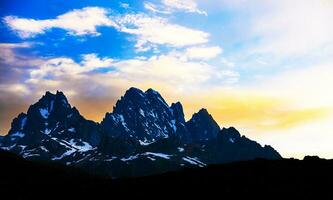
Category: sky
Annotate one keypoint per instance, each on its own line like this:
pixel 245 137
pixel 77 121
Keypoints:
pixel 262 66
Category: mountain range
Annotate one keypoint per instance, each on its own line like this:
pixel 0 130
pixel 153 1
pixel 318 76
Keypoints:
pixel 143 135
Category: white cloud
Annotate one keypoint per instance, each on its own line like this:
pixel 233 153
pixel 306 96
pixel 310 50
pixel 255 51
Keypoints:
pixel 227 63
pixel 184 5
pixel 125 5
pixel 174 72
pixel 62 66
pixel 170 6
pixel 261 62
pixel 92 62
pixel 156 9
pixel 203 53
pixel 156 30
pixel 165 68
pixel 15 45
pixel 77 22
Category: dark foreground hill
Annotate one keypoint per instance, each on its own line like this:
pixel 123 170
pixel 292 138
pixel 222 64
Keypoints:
pixel 22 179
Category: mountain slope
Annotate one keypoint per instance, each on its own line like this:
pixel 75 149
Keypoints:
pixel 143 135
pixel 50 130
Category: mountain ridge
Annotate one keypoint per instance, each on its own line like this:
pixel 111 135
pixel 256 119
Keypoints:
pixel 142 135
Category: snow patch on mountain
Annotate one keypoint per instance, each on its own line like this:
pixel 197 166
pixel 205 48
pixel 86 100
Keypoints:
pixel 173 125
pixel 51 105
pixel 180 149
pixel 44 149
pixel 18 134
pixel 145 143
pixel 23 122
pixel 161 155
pixel 194 161
pixel 72 130
pixel 46 131
pixel 81 146
pixel 129 158
pixel 44 112
pixel 141 112
pixel 67 153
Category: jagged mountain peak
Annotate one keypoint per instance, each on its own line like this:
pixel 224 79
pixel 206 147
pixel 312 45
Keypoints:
pixel 51 115
pixel 51 129
pixel 59 95
pixel 203 112
pixel 202 126
pixel 132 91
pixel 142 115
pixel 50 105
pixel 177 104
pixel 19 122
pixel 135 97
pixel 204 116
pixel 177 111
pixel 231 132
pixel 50 102
pixel 151 91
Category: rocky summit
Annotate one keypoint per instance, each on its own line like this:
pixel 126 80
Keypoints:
pixel 142 135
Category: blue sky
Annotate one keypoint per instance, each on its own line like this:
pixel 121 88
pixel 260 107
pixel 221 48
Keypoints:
pixel 262 66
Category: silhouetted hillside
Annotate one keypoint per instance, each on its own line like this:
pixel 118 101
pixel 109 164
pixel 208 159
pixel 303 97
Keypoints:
pixel 21 179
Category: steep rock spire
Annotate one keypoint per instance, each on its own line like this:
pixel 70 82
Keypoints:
pixel 202 126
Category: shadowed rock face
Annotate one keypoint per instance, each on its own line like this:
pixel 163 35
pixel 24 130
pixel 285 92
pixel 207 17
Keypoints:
pixel 50 128
pixel 142 132
pixel 202 126
pixel 144 116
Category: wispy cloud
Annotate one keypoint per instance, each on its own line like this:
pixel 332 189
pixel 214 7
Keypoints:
pixel 58 67
pixel 157 30
pixel 203 53
pixel 19 89
pixel 294 27
pixel 184 5
pixel 125 5
pixel 10 57
pixel 280 28
pixel 228 63
pixel 173 71
pixel 156 8
pixel 169 69
pixel 170 6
